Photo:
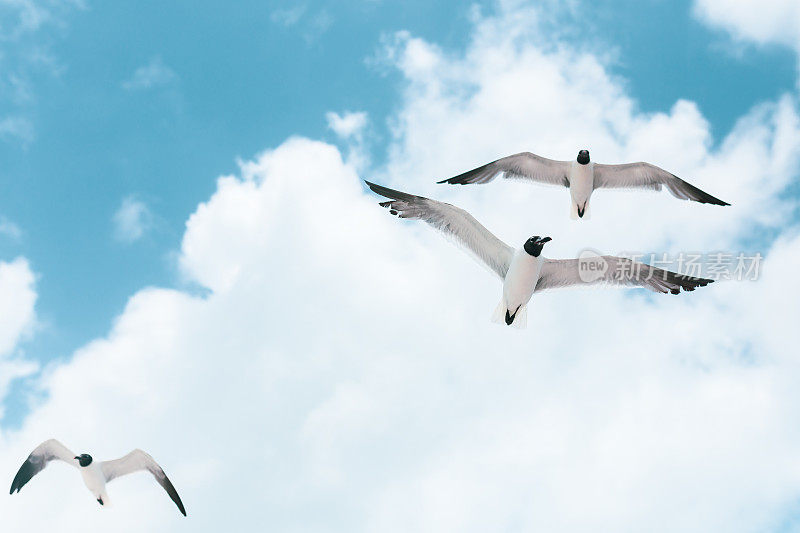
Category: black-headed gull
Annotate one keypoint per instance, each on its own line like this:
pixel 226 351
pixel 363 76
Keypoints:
pixel 524 270
pixel 582 177
pixel 95 475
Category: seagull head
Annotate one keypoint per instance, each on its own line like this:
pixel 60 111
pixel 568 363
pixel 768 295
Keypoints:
pixel 84 459
pixel 583 157
pixel 534 245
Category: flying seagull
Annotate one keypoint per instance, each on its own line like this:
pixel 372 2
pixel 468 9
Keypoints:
pixel 582 177
pixel 95 475
pixel 525 271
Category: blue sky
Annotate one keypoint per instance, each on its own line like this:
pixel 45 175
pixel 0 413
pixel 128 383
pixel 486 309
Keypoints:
pixel 117 119
pixel 243 78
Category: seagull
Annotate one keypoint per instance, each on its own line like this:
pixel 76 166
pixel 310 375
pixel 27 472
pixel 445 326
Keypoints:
pixel 95 475
pixel 525 271
pixel 582 177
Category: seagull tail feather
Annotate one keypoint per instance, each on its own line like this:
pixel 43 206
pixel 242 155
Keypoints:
pixel 499 315
pixel 521 318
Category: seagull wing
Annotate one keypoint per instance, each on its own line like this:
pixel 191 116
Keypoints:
pixel 614 271
pixel 451 221
pixel 525 165
pixel 134 462
pixel 647 176
pixel 49 450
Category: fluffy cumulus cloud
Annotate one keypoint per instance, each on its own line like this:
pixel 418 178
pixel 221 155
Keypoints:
pixel 771 22
pixel 765 22
pixel 341 374
pixel 17 318
pixel 17 299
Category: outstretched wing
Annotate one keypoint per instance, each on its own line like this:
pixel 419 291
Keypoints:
pixel 452 221
pixel 134 462
pixel 49 450
pixel 525 165
pixel 647 176
pixel 615 271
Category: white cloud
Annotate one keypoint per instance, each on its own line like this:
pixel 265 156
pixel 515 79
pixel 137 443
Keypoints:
pixel 20 17
pixel 18 128
pixel 17 319
pixel 153 74
pixel 17 299
pixel 289 16
pixel 771 22
pixel 24 49
pixel 345 361
pixel 16 89
pixel 351 127
pixel 9 228
pixel 347 125
pixel 312 23
pixel 131 220
pixel 764 22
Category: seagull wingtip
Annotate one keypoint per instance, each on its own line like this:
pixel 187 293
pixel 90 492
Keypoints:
pixel 373 186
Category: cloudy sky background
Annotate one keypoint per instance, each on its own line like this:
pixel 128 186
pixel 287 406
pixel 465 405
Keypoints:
pixel 189 264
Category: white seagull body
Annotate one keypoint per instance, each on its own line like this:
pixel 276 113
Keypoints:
pixel 582 177
pixel 95 474
pixel 518 287
pixel 525 271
